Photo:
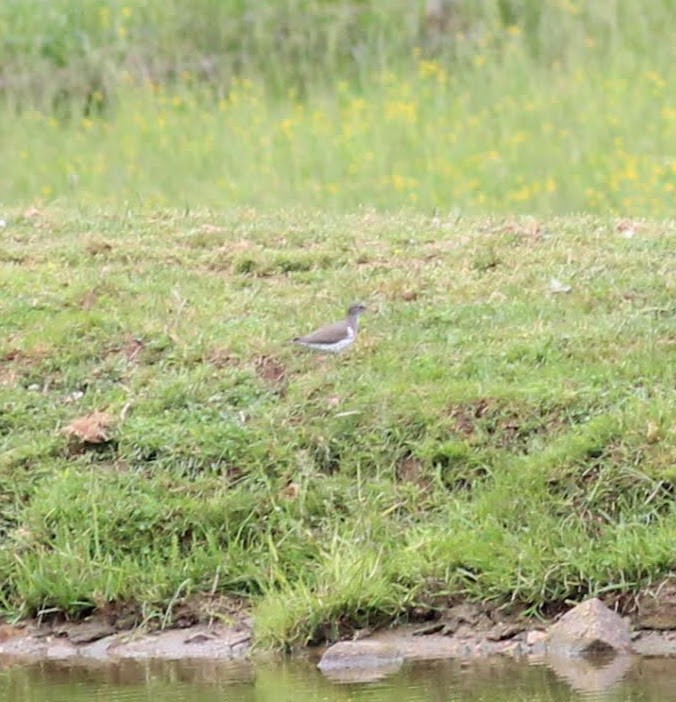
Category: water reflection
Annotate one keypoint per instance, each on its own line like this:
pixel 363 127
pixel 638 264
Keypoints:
pixel 623 679
pixel 128 680
pixel 592 676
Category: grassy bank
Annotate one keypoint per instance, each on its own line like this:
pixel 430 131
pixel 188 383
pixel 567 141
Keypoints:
pixel 485 438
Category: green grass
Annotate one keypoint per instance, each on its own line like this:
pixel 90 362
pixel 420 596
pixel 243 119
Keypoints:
pixel 518 107
pixel 51 51
pixel 484 438
pixel 506 136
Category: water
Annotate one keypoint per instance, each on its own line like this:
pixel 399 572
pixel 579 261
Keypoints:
pixel 493 680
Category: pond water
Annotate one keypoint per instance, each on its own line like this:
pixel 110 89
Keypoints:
pixel 492 680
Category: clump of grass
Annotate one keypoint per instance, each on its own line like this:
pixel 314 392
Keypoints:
pixel 485 438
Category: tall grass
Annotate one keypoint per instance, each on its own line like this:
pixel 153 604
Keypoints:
pixel 506 137
pixel 489 118
pixel 300 43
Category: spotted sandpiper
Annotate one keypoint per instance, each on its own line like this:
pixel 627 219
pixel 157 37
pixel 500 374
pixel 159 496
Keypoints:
pixel 335 337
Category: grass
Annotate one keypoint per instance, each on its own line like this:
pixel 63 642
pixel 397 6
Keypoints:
pixel 50 52
pixel 505 136
pixel 541 107
pixel 485 438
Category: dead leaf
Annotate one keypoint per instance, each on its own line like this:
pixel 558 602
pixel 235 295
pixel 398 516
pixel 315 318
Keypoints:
pixel 94 428
pixel 290 492
pixel 270 369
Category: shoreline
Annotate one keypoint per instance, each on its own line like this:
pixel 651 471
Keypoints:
pixel 464 631
pixel 488 436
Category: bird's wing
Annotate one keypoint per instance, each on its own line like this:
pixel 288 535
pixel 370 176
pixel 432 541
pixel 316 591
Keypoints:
pixel 327 335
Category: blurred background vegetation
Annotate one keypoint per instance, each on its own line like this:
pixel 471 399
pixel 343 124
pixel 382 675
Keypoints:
pixel 103 58
pixel 51 49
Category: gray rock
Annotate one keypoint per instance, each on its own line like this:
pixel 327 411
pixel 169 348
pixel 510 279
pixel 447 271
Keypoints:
pixel 657 609
pixel 656 643
pixel 588 629
pixel 351 655
pixel 463 620
pixel 87 632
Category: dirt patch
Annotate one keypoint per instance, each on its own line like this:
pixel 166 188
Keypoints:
pixel 501 424
pixel 220 358
pixel 270 370
pixel 656 607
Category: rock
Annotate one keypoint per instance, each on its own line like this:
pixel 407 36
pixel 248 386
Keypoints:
pixel 373 658
pixel 657 609
pixel 464 620
pixel 535 643
pixel 90 641
pixel 505 630
pixel 87 632
pixel 535 636
pixel 172 644
pixel 588 629
pixel 7 631
pixel 655 643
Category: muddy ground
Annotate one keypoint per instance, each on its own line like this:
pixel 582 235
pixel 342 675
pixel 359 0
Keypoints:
pixel 461 631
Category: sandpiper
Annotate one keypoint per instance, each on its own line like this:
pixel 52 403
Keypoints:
pixel 335 337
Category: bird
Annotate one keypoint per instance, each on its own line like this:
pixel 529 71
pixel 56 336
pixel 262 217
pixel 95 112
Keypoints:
pixel 334 338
